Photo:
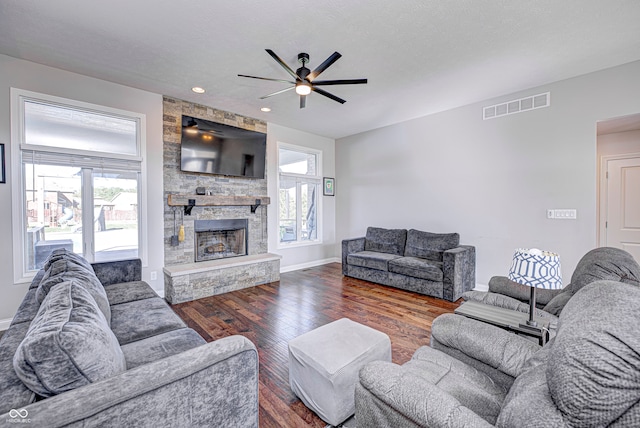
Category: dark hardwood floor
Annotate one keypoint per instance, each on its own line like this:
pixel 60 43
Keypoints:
pixel 272 314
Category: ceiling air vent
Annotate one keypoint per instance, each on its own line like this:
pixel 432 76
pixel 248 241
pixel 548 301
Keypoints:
pixel 517 106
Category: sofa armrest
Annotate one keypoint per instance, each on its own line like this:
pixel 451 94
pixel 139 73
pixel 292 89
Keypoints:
pixel 215 384
pixel 118 271
pixel 503 285
pixel 459 269
pixel 388 395
pixel 350 246
pixel 495 299
pixel 506 302
pixel 482 342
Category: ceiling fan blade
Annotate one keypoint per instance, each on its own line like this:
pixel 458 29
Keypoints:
pixel 322 67
pixel 328 95
pixel 278 92
pixel 303 101
pixel 267 78
pixel 282 63
pixel 339 82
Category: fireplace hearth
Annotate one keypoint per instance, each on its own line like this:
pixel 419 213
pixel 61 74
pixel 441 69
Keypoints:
pixel 218 239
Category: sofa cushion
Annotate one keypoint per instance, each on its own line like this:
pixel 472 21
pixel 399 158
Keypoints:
pixel 160 346
pixel 28 308
pixel 605 263
pixel 68 344
pixel 472 388
pixel 371 260
pixel 594 365
pixel 390 241
pixel 140 319
pixel 430 246
pixel 529 402
pixel 70 256
pixel 417 268
pixel 128 292
pixel 35 282
pixel 65 270
pixel 14 394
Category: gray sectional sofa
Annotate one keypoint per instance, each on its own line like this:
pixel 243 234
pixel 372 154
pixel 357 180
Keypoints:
pixel 434 264
pixel 478 375
pixel 93 345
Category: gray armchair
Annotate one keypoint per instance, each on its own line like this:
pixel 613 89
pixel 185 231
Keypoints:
pixel 477 375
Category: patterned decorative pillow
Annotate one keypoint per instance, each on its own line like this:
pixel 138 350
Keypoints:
pixel 68 344
pixel 66 270
pixel 430 246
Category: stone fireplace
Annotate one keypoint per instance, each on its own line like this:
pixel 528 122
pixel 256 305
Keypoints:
pixel 223 258
pixel 218 239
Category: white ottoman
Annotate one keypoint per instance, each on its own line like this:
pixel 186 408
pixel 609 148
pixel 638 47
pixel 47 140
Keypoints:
pixel 324 365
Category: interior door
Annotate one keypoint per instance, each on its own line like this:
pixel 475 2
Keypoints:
pixel 623 205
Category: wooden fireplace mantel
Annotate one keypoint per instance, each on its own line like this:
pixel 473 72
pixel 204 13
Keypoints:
pixel 190 201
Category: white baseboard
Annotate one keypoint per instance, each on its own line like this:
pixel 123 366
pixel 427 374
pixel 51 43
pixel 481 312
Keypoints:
pixel 310 264
pixel 4 324
pixel 481 287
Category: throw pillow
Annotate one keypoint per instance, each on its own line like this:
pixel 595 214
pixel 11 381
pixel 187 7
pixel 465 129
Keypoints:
pixel 68 344
pixel 390 241
pixel 66 270
pixel 430 246
pixel 64 254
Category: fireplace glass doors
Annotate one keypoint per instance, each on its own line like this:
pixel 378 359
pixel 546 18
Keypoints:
pixel 217 239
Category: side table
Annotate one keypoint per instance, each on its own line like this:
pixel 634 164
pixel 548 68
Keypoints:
pixel 505 318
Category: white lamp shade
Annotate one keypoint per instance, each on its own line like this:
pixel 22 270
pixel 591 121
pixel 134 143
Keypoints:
pixel 535 268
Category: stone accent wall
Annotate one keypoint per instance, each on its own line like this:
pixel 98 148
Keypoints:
pixel 184 279
pixel 185 183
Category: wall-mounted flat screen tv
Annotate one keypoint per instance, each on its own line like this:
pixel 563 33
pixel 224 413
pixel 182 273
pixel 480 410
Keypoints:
pixel 214 148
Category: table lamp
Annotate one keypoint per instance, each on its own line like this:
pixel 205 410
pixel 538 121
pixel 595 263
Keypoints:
pixel 536 269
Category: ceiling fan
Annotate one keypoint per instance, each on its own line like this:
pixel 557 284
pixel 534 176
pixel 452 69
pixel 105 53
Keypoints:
pixel 305 79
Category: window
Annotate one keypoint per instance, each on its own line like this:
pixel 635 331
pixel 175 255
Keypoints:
pixel 80 180
pixel 299 180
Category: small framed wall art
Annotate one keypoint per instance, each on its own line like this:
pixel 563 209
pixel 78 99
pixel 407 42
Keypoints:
pixel 328 186
pixel 3 172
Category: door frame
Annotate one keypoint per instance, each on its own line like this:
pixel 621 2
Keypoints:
pixel 603 195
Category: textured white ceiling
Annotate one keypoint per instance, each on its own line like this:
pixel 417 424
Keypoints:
pixel 420 56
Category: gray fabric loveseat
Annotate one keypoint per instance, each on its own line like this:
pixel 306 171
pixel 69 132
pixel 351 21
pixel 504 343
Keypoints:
pixel 478 375
pixel 428 263
pixel 93 345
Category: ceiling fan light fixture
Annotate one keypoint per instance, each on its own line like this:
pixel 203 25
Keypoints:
pixel 303 88
pixel 305 80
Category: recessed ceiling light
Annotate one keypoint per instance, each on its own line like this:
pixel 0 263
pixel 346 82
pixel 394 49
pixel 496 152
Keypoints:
pixel 198 90
pixel 265 109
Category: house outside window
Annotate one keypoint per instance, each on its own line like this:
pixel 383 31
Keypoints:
pixel 80 181
pixel 299 188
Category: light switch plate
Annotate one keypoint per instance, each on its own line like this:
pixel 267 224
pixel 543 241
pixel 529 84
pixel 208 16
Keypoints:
pixel 562 214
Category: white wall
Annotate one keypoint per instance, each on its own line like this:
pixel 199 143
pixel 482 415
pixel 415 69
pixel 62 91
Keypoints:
pixel 308 255
pixel 493 180
pixel 34 77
